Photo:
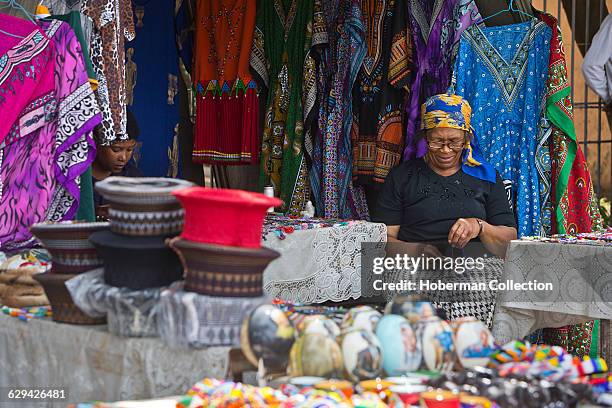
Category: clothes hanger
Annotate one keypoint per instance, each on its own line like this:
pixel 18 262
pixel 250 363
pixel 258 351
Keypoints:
pixel 15 5
pixel 510 8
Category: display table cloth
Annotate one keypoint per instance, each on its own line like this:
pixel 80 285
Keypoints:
pixel 572 268
pixel 320 260
pixel 92 364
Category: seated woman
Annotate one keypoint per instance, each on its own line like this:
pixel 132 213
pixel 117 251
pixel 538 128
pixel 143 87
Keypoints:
pixel 451 197
pixel 451 194
pixel 115 160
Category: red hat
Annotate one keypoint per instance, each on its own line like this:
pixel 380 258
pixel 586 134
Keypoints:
pixel 224 216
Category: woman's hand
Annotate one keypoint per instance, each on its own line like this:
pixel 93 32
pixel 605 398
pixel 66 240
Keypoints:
pixel 463 231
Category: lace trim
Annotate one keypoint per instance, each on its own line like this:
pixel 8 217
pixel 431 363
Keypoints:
pixel 333 260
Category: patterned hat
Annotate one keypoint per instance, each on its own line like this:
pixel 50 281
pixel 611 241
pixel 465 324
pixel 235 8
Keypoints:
pixel 454 112
pixel 446 111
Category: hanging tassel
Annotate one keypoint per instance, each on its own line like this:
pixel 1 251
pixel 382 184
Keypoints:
pixel 250 130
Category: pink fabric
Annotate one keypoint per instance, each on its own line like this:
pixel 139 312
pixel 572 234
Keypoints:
pixel 49 144
pixel 26 71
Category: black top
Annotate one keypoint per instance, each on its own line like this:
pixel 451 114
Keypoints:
pixel 426 205
pixel 129 170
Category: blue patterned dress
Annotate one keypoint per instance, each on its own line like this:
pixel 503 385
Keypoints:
pixel 502 72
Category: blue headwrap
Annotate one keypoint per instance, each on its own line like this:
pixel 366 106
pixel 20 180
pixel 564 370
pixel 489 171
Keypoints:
pixel 452 111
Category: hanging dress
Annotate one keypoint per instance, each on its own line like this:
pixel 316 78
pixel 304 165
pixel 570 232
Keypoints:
pixel 49 145
pixel 436 28
pixel 333 191
pixel 502 72
pixel 113 26
pixel 379 93
pixel 76 21
pixel 280 61
pixel 573 202
pixel 227 119
pixel 576 208
pixel 77 115
pixel 27 93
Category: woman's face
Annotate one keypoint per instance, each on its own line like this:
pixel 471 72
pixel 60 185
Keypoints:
pixel 445 146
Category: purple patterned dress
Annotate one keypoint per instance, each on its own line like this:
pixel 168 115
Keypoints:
pixel 436 27
pixel 76 116
pixel 49 143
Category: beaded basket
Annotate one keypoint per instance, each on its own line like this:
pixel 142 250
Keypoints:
pixel 217 270
pixel 69 246
pixel 64 309
pixel 143 206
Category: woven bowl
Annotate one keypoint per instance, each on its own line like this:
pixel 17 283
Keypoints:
pixel 64 309
pixel 137 262
pixel 69 246
pixel 217 270
pixel 143 206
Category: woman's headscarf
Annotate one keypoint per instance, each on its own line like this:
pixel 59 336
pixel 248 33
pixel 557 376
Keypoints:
pixel 454 112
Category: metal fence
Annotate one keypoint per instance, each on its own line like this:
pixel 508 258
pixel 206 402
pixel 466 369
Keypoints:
pixel 579 21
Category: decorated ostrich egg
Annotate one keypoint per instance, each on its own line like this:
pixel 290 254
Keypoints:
pixel 361 318
pixel 413 308
pixel 473 341
pixel 319 324
pixel 267 334
pixel 362 355
pixel 438 346
pixel 315 355
pixel 401 348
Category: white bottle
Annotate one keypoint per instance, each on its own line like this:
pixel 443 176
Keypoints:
pixel 269 192
pixel 309 211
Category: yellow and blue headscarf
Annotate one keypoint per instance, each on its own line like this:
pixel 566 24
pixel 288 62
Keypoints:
pixel 452 111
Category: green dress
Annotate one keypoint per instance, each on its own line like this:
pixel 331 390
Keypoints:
pixel 280 61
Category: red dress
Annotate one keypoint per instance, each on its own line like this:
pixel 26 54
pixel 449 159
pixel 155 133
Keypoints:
pixel 227 115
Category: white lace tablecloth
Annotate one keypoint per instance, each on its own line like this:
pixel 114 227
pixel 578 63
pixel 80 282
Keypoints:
pixel 581 275
pixel 92 364
pixel 321 264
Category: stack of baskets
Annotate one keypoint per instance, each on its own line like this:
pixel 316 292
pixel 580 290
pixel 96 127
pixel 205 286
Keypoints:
pixel 71 254
pixel 142 214
pixel 137 262
pixel 220 249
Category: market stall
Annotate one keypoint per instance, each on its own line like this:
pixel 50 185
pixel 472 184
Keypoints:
pixel 369 122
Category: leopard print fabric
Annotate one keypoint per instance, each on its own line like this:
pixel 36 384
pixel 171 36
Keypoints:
pixel 113 25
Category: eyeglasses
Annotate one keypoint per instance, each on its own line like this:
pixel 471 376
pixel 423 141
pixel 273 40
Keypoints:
pixel 435 145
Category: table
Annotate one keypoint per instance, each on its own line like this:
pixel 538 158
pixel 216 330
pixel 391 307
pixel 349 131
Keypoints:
pixel 573 269
pixel 320 264
pixel 93 364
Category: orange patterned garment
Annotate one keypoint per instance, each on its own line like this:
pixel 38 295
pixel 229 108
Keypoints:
pixel 227 115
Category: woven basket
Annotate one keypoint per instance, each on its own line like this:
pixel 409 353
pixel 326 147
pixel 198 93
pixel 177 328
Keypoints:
pixel 137 263
pixel 68 244
pixel 64 309
pixel 217 270
pixel 143 206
